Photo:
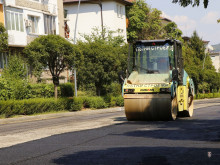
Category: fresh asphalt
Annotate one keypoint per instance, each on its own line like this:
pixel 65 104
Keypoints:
pixel 184 141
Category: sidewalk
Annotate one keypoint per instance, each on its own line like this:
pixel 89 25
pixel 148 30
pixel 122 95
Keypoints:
pixel 20 119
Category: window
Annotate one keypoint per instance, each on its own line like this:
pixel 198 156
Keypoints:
pixel 3 60
pixel 14 21
pixel 154 59
pixel 34 24
pixel 65 13
pixel 49 24
pixel 213 58
pixel 119 11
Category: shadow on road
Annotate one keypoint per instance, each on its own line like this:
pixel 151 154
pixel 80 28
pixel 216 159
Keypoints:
pixel 184 141
pixel 194 130
pixel 142 156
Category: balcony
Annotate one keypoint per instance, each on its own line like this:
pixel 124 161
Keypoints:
pixel 17 39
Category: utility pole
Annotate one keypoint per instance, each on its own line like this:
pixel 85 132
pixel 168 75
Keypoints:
pixel 100 4
pixel 76 22
pixel 75 82
pixel 204 61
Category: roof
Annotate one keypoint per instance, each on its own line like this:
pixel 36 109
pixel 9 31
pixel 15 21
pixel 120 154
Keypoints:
pixel 165 19
pixel 126 2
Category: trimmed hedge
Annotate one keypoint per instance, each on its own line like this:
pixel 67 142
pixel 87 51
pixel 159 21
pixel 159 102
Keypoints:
pixel 33 106
pixel 23 90
pixel 47 90
pixel 40 105
pixel 96 102
pixel 207 95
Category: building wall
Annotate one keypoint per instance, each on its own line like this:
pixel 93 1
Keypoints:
pixel 216 61
pixel 32 5
pixel 1 14
pixel 90 17
pixel 60 17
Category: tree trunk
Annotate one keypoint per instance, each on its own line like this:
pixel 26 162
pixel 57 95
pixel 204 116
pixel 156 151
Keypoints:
pixel 55 91
pixel 56 83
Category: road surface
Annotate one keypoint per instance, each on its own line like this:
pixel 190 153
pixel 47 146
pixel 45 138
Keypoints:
pixel 105 138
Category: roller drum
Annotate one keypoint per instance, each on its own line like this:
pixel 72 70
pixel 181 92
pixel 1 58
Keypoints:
pixel 147 107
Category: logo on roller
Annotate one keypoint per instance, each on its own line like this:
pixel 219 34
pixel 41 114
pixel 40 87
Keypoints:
pixel 147 90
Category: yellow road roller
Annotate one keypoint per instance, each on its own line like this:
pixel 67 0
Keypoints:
pixel 156 86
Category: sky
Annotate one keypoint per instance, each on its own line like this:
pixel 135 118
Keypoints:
pixel 189 19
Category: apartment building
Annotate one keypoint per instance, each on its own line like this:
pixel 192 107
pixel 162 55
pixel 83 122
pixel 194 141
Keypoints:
pixel 95 13
pixel 25 20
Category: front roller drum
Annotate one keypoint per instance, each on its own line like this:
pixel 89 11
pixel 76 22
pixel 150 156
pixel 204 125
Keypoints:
pixel 148 107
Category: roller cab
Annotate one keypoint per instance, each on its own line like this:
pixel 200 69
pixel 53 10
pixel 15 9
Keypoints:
pixel 155 72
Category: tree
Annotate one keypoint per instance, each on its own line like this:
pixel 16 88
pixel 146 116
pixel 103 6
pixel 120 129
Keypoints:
pixel 14 82
pixel 137 16
pixel 205 78
pixel 103 58
pixel 144 22
pixel 3 38
pixel 54 52
pixel 16 68
pixel 171 31
pixel 185 3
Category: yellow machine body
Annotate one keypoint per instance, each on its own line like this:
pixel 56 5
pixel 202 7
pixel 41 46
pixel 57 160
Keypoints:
pixel 182 98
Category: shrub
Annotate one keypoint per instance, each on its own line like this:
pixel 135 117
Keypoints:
pixel 40 105
pixel 113 101
pixel 77 104
pixel 17 89
pixel 5 90
pixel 216 95
pixel 42 90
pixel 207 95
pixel 32 106
pixel 67 90
pixel 114 89
pixel 120 101
pixel 94 102
pixel 21 89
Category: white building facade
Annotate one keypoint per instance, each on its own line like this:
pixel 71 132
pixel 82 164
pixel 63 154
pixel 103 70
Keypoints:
pixel 215 56
pixel 93 14
pixel 27 19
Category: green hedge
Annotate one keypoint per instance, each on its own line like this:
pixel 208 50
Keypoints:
pixel 96 102
pixel 33 106
pixel 40 105
pixel 23 90
pixel 207 95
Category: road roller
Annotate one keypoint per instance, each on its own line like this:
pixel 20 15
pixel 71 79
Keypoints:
pixel 156 86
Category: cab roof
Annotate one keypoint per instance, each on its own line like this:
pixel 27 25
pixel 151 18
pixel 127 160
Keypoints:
pixel 171 41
